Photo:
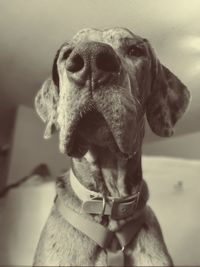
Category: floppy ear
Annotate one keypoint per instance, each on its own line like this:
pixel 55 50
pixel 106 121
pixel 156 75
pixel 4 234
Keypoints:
pixel 168 100
pixel 55 75
pixel 47 99
pixel 46 106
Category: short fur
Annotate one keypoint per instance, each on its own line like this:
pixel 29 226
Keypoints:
pixel 104 83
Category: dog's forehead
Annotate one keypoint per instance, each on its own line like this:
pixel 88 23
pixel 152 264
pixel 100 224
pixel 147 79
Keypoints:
pixel 113 35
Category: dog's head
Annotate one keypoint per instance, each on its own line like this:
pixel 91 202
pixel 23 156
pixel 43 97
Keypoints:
pixel 103 83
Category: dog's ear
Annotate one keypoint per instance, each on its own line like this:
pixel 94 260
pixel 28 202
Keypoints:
pixel 55 75
pixel 46 102
pixel 168 100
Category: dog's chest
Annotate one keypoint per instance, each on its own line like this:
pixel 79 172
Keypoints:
pixel 65 245
pixel 68 246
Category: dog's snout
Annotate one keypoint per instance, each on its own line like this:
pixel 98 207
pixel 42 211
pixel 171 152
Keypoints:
pixel 92 60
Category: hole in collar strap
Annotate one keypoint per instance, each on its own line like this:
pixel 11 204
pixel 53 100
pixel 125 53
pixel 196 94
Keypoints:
pixel 122 209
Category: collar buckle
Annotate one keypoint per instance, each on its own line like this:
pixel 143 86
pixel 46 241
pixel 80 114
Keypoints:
pixel 95 203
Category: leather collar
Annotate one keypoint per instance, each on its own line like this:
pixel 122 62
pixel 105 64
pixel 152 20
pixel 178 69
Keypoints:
pixel 95 203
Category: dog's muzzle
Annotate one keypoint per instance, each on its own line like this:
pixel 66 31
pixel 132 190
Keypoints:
pixel 99 109
pixel 93 61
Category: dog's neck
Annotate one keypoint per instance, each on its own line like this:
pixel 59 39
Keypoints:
pixel 102 171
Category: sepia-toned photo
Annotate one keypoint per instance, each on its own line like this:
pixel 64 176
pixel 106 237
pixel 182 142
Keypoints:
pixel 99 133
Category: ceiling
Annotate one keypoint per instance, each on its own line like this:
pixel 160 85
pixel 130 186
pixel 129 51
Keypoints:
pixel 31 32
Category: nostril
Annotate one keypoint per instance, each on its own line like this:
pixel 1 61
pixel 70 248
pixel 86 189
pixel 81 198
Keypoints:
pixel 107 62
pixel 75 63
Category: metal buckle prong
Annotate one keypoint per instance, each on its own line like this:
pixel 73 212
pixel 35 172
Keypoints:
pixel 103 208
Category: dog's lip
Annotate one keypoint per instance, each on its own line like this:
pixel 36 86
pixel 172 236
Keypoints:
pixel 75 146
pixel 71 139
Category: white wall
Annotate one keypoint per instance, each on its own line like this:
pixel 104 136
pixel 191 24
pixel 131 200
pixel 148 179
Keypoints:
pixel 185 146
pixel 30 149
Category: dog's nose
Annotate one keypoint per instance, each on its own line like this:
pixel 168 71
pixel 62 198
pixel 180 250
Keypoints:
pixel 92 60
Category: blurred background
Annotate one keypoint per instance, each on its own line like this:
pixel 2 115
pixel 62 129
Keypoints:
pixel 31 32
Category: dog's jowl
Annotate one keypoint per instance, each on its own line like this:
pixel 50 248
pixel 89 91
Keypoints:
pixel 103 85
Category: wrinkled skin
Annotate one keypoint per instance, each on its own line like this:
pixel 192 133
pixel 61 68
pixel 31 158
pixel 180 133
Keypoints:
pixel 121 112
pixel 103 85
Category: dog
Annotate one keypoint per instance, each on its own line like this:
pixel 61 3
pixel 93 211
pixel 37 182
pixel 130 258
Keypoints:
pixel 103 86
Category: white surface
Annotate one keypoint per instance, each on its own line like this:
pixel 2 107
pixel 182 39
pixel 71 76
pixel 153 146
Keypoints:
pixel 25 210
pixel 185 146
pixel 177 210
pixel 30 149
pixel 22 217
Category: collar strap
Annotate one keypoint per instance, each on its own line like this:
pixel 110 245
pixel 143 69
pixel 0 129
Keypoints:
pixel 114 243
pixel 94 202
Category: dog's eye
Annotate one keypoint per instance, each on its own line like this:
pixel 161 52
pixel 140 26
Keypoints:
pixel 135 51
